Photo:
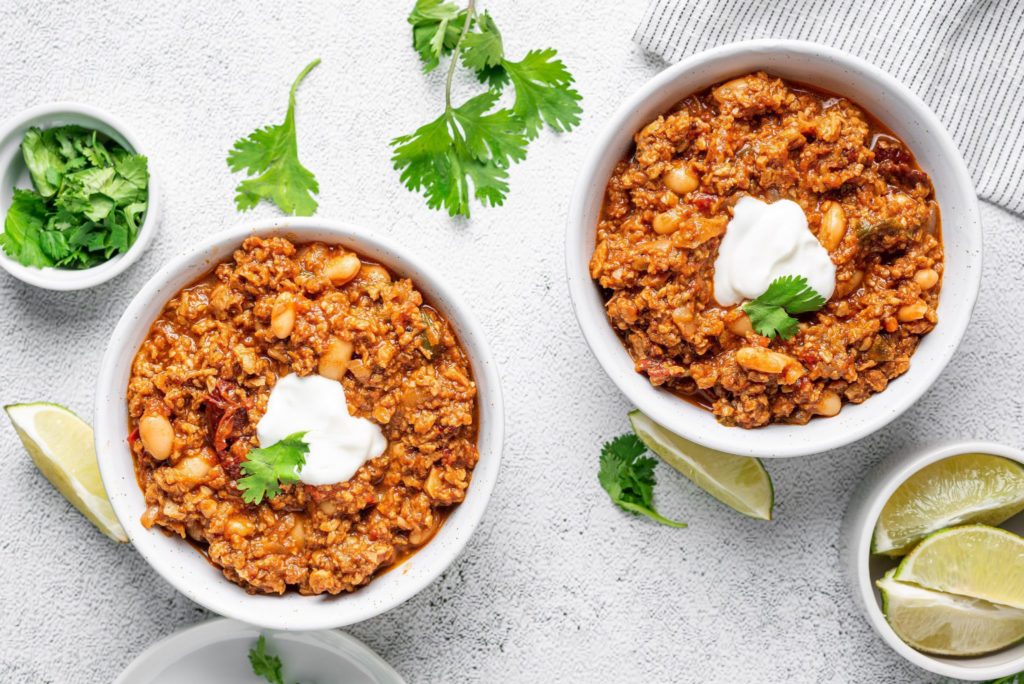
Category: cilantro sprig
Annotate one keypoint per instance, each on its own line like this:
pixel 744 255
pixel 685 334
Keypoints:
pixel 770 314
pixel 628 477
pixel 264 664
pixel 88 201
pixel 272 152
pixel 266 469
pixel 468 149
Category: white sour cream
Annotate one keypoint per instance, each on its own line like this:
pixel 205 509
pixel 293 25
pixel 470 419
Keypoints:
pixel 765 241
pixel 339 443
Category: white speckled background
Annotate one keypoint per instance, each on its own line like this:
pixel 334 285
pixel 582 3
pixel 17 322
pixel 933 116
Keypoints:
pixel 557 584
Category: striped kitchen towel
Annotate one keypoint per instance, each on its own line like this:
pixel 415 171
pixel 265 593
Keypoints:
pixel 965 58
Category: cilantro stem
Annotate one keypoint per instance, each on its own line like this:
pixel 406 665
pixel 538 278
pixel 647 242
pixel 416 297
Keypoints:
pixel 470 15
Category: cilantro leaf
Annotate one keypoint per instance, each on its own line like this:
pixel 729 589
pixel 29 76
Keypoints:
pixel 44 160
pixel 770 313
pixel 1012 679
pixel 273 152
pixel 483 48
pixel 23 229
pixel 628 477
pixel 543 92
pixel 463 147
pixel 436 27
pixel 265 665
pixel 87 204
pixel 269 467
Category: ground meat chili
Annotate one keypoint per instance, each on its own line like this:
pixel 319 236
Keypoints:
pixel 207 367
pixel 668 204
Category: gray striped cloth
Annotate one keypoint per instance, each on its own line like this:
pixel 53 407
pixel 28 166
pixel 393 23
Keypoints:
pixel 965 58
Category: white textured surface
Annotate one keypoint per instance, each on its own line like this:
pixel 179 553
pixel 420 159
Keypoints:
pixel 558 584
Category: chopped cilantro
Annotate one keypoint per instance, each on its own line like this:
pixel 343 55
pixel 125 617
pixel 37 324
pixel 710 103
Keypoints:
pixel 89 198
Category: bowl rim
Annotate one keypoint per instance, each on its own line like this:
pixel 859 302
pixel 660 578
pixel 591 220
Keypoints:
pixel 664 407
pixel 188 639
pixel 65 280
pixel 490 441
pixel 860 547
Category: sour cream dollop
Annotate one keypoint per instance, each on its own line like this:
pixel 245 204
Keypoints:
pixel 339 443
pixel 764 241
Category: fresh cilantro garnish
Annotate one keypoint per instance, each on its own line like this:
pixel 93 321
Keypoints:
pixel 628 477
pixel 267 468
pixel 770 313
pixel 468 149
pixel 89 198
pixel 265 665
pixel 436 28
pixel 1012 679
pixel 273 152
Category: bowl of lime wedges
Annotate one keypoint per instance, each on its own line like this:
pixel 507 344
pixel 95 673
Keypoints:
pixel 935 557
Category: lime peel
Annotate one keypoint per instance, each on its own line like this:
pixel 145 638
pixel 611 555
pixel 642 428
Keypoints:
pixel 977 561
pixel 947 624
pixel 963 489
pixel 739 482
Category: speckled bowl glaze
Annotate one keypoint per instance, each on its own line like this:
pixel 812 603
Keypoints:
pixel 14 173
pixel 882 96
pixel 863 569
pixel 177 561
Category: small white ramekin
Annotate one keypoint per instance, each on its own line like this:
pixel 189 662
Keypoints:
pixel 884 97
pixel 13 173
pixel 863 569
pixel 182 565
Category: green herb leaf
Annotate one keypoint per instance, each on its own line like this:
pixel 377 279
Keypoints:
pixel 42 154
pixel 23 229
pixel 267 468
pixel 273 152
pixel 543 92
pixel 770 313
pixel 464 150
pixel 89 199
pixel 467 150
pixel 436 27
pixel 483 48
pixel 628 477
pixel 1012 679
pixel 265 665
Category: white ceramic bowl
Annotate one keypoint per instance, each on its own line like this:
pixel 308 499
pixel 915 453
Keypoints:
pixel 217 651
pixel 863 569
pixel 14 173
pixel 883 97
pixel 182 565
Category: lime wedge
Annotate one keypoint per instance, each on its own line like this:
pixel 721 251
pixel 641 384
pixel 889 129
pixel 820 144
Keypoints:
pixel 971 488
pixel 61 445
pixel 947 624
pixel 976 561
pixel 741 483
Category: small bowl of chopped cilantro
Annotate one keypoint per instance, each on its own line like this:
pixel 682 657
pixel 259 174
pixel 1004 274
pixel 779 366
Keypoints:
pixel 77 197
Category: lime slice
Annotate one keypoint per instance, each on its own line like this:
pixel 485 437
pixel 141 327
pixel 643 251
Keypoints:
pixel 61 445
pixel 977 561
pixel 741 483
pixel 947 624
pixel 971 488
